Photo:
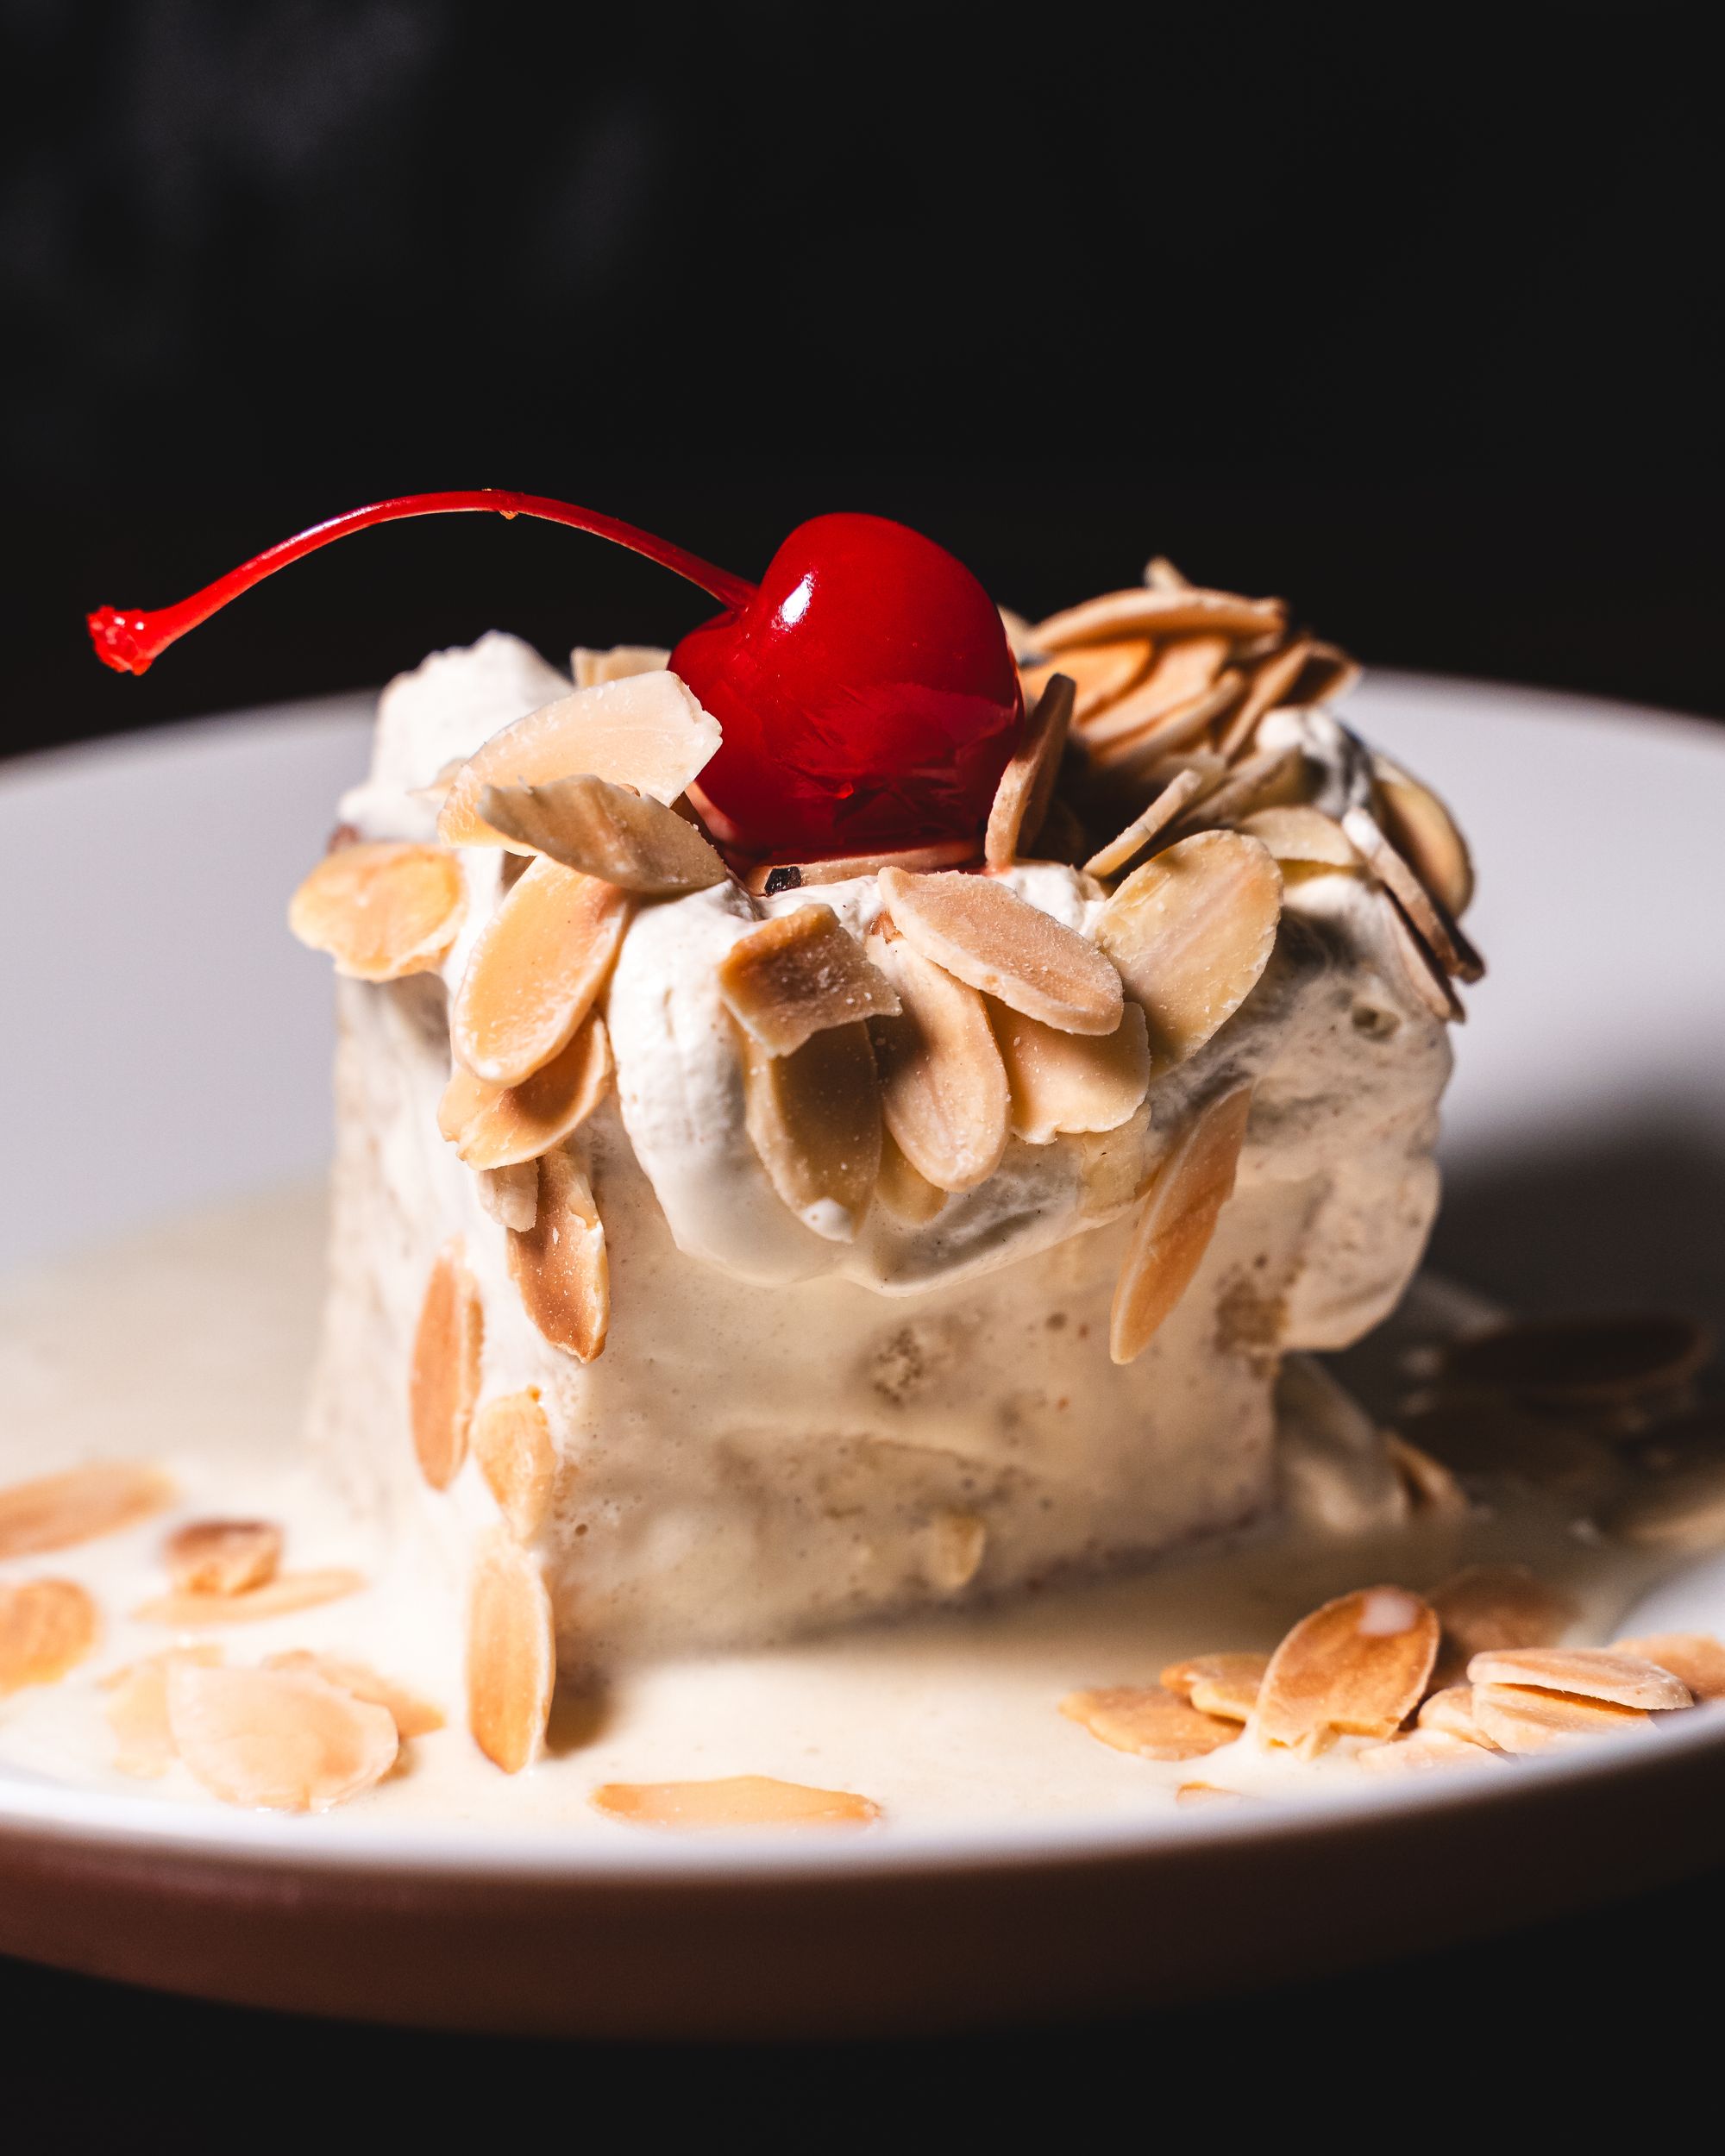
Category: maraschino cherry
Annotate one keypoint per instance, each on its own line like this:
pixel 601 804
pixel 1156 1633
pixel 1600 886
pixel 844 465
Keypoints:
pixel 865 689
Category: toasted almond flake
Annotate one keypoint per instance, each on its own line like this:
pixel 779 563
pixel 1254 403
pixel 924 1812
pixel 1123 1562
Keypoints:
pixel 47 1628
pixel 1098 673
pixel 942 1087
pixel 1330 674
pixel 1682 1510
pixel 644 730
pixel 1117 1168
pixel 1131 735
pixel 605 831
pixel 505 1127
pixel 1193 1183
pixel 278 1597
pixel 1448 943
pixel 1270 683
pixel 1195 1794
pixel 1026 786
pixel 1263 780
pixel 1486 1607
pixel 1426 978
pixel 511 1440
pixel 535 971
pixel 412 1716
pixel 1225 1684
pixel 559 1265
pixel 1180 791
pixel 1191 932
pixel 981 929
pixel 443 1378
pixel 1150 611
pixel 1426 1752
pixel 814 1119
pixel 1161 575
pixel 953 1547
pixel 1433 1490
pixel 1624 1680
pixel 137 1710
pixel 1424 833
pixel 511 1655
pixel 799 974
pixel 767 878
pixel 1586 1360
pixel 1145 1720
pixel 381 910
pixel 905 1191
pixel 224 1556
pixel 1071 1082
pixel 55 1511
pixel 1452 1711
pixel 1017 631
pixel 622 662
pixel 1518 1720
pixel 279 1740
pixel 734 1800
pixel 510 1195
pixel 1298 833
pixel 1185 669
pixel 1356 1667
pixel 1695 1658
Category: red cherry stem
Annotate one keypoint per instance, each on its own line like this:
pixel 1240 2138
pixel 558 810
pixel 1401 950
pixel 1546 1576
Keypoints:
pixel 129 641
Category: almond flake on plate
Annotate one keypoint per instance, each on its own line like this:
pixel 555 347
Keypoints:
pixel 511 1441
pixel 1695 1658
pixel 511 1655
pixel 1517 1719
pixel 413 1716
pixel 1150 611
pixel 981 929
pixel 223 1557
pixel 47 1628
pixel 443 1378
pixel 1226 1684
pixel 503 1126
pixel 1452 1711
pixel 767 877
pixel 559 1265
pixel 1026 786
pixel 1185 669
pixel 137 1710
pixel 645 730
pixel 1132 733
pixel 814 1119
pixel 535 971
pixel 605 831
pixel 1149 1722
pixel 279 1741
pixel 736 1800
pixel 1192 1183
pixel 1071 1082
pixel 1623 1680
pixel 55 1511
pixel 1270 684
pixel 1356 1667
pixel 1422 830
pixel 1302 834
pixel 942 1086
pixel 1179 793
pixel 1443 936
pixel 1098 673
pixel 1425 1751
pixel 382 909
pixel 278 1597
pixel 1196 1795
pixel 799 974
pixel 620 663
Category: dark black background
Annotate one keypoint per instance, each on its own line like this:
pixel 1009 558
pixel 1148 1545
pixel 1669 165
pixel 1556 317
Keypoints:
pixel 1410 313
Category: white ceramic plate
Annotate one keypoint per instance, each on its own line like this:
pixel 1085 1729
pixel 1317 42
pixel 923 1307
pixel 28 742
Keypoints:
pixel 167 1046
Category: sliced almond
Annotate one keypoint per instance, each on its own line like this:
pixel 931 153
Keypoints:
pixel 799 974
pixel 1225 1684
pixel 1071 1082
pixel 1305 835
pixel 1448 944
pixel 1157 613
pixel 814 1119
pixel 1027 785
pixel 953 1549
pixel 278 1597
pixel 767 878
pixel 1260 782
pixel 1330 674
pixel 511 1655
pixel 1433 1490
pixel 559 1265
pixel 382 909
pixel 621 662
pixel 1272 679
pixel 1194 1795
pixel 137 1710
pixel 1099 672
pixel 511 1440
pixel 1427 1752
pixel 535 971
pixel 942 1088
pixel 1452 1711
pixel 1695 1658
pixel 1191 932
pixel 412 1716
pixel 1185 668
pixel 981 929
pixel 1586 1361
pixel 1148 1720
pixel 279 1740
pixel 605 831
pixel 644 730
pixel 1623 1680
pixel 1518 1720
pixel 734 1800
pixel 1357 1667
pixel 1427 980
pixel 1193 1181
pixel 47 1628
pixel 503 1126
pixel 1180 791
pixel 1490 1606
pixel 1422 830
pixel 443 1378
pixel 510 1195
pixel 1132 736
pixel 55 1511
pixel 224 1556
pixel 1161 575
pixel 905 1191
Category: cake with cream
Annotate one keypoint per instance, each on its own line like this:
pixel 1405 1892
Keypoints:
pixel 825 1133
